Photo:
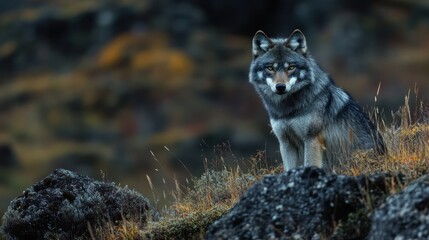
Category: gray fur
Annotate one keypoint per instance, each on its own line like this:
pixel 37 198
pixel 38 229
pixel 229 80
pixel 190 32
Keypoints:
pixel 316 122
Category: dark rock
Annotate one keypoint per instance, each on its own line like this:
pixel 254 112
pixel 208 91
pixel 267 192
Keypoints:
pixel 304 203
pixel 405 215
pixel 64 204
pixel 7 156
pixel 223 14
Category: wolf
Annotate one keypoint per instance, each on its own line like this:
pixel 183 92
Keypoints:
pixel 316 122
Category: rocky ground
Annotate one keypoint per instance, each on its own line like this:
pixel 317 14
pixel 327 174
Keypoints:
pixel 303 203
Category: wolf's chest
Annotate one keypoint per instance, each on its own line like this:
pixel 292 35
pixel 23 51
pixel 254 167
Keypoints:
pixel 297 128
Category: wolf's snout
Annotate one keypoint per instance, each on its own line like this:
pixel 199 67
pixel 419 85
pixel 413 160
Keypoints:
pixel 280 87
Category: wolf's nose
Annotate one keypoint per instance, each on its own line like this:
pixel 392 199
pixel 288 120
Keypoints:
pixel 280 87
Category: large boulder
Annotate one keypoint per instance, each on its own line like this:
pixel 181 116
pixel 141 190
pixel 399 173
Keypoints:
pixel 304 203
pixel 405 215
pixel 65 205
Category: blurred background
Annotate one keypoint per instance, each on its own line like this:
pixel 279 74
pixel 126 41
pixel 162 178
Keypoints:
pixel 130 89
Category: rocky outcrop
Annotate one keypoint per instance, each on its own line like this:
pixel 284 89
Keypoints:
pixel 64 205
pixel 404 215
pixel 304 203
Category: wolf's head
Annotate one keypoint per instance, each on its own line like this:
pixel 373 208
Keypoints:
pixel 280 66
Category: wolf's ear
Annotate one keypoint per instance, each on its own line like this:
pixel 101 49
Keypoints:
pixel 297 42
pixel 260 44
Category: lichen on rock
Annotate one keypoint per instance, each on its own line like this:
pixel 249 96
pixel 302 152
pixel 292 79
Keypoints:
pixel 304 203
pixel 65 205
pixel 404 215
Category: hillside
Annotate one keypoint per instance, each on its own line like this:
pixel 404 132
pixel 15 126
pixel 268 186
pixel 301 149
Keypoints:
pixel 202 200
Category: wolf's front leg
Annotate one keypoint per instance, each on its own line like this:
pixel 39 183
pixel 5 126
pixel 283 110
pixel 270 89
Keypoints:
pixel 289 155
pixel 313 153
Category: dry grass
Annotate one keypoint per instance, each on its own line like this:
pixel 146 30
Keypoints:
pixel 110 231
pixel 407 140
pixel 196 203
pixel 202 200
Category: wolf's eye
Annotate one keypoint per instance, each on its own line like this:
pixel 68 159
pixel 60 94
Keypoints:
pixel 269 68
pixel 291 67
